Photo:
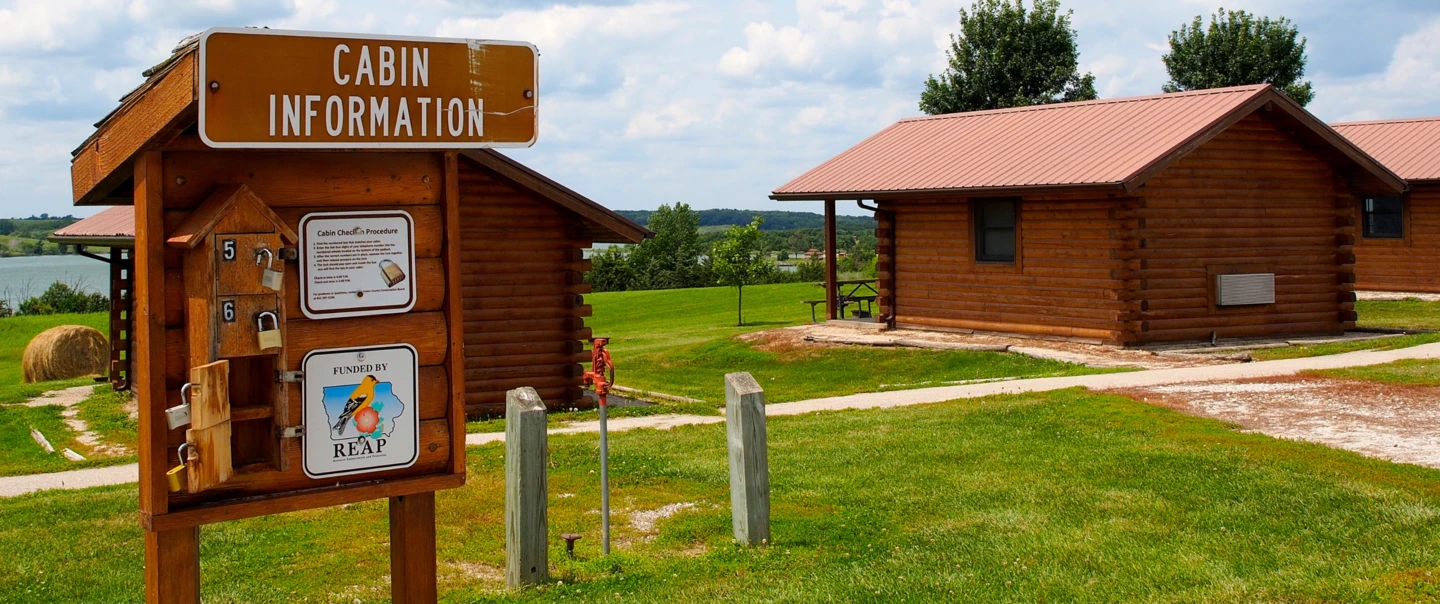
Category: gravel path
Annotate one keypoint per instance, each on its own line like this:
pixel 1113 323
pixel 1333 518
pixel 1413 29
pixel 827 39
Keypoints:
pixel 1400 423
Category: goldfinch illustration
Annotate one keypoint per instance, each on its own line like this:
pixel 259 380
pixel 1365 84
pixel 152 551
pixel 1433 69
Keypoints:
pixel 360 400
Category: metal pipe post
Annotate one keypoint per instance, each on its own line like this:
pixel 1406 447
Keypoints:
pixel 604 482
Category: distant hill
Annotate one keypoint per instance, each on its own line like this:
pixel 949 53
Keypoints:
pixel 774 220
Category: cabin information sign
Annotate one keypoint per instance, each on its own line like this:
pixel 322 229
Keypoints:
pixel 361 412
pixel 355 264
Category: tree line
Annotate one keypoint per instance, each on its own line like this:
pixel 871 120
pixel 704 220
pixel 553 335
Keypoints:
pixel 772 220
pixel 680 256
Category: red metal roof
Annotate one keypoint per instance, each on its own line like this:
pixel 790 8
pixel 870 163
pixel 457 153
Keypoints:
pixel 1105 142
pixel 116 222
pixel 1410 148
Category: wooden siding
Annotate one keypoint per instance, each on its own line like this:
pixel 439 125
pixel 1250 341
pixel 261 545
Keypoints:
pixel 1250 200
pixel 523 287
pixel 1411 264
pixel 1065 282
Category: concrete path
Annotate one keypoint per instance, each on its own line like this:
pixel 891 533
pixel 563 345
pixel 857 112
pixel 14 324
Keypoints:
pixel 11 486
pixel 619 424
pixel 1107 381
pixel 78 479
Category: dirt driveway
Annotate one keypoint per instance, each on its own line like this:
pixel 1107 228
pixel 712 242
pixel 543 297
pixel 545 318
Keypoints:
pixel 1394 422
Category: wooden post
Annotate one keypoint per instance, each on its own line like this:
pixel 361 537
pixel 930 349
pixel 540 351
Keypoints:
pixel 172 566
pixel 526 453
pixel 749 462
pixel 832 302
pixel 412 549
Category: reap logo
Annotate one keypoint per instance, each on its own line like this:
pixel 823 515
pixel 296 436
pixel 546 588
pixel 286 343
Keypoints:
pixel 362 413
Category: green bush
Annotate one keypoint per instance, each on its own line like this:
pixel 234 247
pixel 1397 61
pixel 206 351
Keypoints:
pixel 61 297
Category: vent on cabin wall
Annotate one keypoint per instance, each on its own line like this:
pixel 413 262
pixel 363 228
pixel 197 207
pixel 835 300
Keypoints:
pixel 1246 289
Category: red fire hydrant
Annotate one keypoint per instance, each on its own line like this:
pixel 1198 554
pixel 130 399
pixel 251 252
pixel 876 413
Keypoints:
pixel 600 365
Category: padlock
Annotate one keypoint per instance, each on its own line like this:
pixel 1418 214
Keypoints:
pixel 271 278
pixel 269 338
pixel 177 475
pixel 179 415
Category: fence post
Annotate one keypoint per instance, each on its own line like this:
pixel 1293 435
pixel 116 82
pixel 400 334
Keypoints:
pixel 749 463
pixel 526 548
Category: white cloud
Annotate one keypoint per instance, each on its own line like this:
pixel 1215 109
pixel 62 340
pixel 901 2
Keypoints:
pixel 553 28
pixel 659 101
pixel 1408 87
pixel 666 121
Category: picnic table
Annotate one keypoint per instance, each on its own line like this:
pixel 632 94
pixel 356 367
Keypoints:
pixel 862 295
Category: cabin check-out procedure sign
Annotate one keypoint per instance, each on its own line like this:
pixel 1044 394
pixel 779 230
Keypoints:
pixel 262 88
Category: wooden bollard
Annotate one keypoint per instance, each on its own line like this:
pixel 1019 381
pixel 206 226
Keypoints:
pixel 526 548
pixel 749 463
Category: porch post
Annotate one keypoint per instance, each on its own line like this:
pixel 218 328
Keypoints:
pixel 832 308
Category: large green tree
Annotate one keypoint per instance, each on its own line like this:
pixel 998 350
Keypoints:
pixel 1009 56
pixel 1238 49
pixel 671 258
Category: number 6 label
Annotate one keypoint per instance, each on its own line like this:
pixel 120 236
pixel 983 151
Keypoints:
pixel 227 311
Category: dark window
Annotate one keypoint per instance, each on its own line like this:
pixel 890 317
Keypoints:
pixel 1383 218
pixel 995 230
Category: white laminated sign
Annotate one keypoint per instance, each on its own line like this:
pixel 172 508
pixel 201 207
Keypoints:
pixel 356 264
pixel 361 410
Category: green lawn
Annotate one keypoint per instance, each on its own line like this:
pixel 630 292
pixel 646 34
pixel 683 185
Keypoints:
pixel 682 342
pixel 1058 497
pixel 1416 372
pixel 103 411
pixel 16 332
pixel 1409 314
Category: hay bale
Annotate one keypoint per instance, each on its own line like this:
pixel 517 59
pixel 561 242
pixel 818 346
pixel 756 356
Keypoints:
pixel 64 352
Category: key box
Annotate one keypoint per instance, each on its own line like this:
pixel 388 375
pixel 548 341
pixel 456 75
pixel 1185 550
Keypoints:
pixel 228 243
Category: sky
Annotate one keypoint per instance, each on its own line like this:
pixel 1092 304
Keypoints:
pixel 713 104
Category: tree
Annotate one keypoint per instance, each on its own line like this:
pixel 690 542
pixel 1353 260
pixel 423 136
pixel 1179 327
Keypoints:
pixel 1007 56
pixel 737 262
pixel 671 258
pixel 7 226
pixel 610 270
pixel 1238 50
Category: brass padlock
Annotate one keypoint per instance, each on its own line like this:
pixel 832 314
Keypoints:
pixel 179 415
pixel 271 278
pixel 177 475
pixel 269 338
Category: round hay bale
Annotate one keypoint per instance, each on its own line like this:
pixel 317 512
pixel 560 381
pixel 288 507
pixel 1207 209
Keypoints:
pixel 64 352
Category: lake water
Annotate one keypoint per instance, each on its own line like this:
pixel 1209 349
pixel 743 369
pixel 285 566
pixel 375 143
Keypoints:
pixel 26 276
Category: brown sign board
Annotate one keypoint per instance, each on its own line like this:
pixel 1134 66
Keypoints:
pixel 263 88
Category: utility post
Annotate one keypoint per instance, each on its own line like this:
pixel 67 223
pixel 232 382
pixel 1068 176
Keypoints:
pixel 526 452
pixel 749 461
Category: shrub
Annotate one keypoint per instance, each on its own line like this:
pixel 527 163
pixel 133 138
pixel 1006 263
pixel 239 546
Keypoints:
pixel 61 297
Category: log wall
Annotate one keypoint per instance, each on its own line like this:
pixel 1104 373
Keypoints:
pixel 1408 264
pixel 523 286
pixel 1066 280
pixel 1250 200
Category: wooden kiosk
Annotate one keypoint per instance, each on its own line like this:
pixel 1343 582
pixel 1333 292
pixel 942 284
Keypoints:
pixel 298 307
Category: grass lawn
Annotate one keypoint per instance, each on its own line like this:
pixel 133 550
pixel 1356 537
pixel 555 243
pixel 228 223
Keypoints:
pixel 1063 496
pixel 1418 372
pixel 1401 314
pixel 103 411
pixel 682 342
pixel 16 332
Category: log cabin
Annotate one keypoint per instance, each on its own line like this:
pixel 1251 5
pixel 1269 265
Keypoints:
pixel 519 239
pixel 1398 243
pixel 1226 213
pixel 112 229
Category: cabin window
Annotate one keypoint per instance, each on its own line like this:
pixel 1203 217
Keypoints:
pixel 1383 217
pixel 995 230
